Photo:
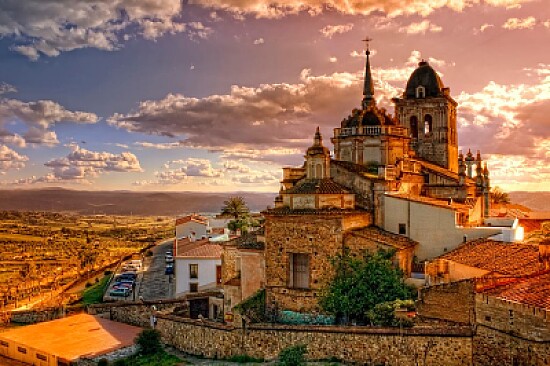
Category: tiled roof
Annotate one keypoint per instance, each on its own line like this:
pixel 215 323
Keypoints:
pixel 317 186
pixel 195 218
pixel 511 259
pixel 384 237
pixel 453 205
pixel 533 291
pixel 434 168
pixel 183 245
pixel 283 211
pixel 206 250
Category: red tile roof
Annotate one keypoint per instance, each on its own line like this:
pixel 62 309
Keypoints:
pixel 195 218
pixel 534 291
pixel 205 250
pixel 317 186
pixel 384 237
pixel 511 259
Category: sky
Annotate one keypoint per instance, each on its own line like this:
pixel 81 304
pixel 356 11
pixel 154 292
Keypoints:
pixel 218 95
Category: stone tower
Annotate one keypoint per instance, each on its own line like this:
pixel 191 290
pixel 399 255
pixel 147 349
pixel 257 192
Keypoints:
pixel 429 112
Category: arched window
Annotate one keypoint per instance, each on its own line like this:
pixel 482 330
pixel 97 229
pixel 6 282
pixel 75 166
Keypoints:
pixel 414 127
pixel 420 92
pixel 428 125
pixel 318 171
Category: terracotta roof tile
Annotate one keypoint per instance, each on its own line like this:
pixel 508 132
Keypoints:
pixel 534 291
pixel 188 218
pixel 206 250
pixel 512 259
pixel 384 237
pixel 317 186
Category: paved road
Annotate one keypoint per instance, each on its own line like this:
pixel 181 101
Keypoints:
pixel 155 284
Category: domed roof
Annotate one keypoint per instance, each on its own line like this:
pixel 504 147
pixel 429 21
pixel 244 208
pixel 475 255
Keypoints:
pixel 425 76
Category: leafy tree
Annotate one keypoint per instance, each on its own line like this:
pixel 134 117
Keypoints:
pixel 235 207
pixel 293 356
pixel 499 196
pixel 148 342
pixel 359 284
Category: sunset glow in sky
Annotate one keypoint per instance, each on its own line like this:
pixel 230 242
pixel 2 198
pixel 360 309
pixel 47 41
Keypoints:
pixel 218 95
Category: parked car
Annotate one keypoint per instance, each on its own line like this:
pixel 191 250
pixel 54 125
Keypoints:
pixel 120 292
pixel 169 270
pixel 169 259
pixel 122 285
pixel 169 253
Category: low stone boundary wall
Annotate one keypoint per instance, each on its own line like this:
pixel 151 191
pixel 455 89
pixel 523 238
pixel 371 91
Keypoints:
pixel 450 301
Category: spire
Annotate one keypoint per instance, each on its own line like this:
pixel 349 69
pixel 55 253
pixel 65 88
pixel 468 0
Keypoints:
pixel 368 87
pixel 317 140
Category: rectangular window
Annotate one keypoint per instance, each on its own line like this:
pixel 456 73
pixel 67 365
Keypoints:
pixel 4 343
pixel 193 287
pixel 299 270
pixel 41 357
pixel 193 271
pixel 22 350
pixel 402 229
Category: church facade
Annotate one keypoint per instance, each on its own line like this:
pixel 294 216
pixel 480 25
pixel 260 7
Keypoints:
pixel 393 179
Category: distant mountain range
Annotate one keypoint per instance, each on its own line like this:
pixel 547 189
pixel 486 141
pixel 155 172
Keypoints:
pixel 125 202
pixel 537 201
pixel 166 203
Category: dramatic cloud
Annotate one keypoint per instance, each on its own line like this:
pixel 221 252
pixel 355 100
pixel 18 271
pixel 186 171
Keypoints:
pixel 281 8
pixel 258 41
pixel 7 88
pixel 517 23
pixel 10 159
pixel 39 117
pixel 81 164
pixel 193 167
pixel 49 27
pixel 421 28
pixel 331 30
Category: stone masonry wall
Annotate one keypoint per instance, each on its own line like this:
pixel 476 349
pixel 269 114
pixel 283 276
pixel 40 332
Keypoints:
pixel 134 313
pixel 351 344
pixel 320 237
pixel 454 302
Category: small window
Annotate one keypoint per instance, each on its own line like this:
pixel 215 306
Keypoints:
pixel 193 271
pixel 193 287
pixel 414 127
pixel 428 125
pixel 41 357
pixel 22 350
pixel 402 229
pixel 511 317
pixel 487 318
pixel 219 275
pixel 421 92
pixel 4 344
pixel 299 270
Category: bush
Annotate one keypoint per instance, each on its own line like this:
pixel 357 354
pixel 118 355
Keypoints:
pixel 253 307
pixel 108 273
pixel 120 362
pixel 103 362
pixel 293 356
pixel 88 284
pixel 148 342
pixel 244 359
pixel 384 314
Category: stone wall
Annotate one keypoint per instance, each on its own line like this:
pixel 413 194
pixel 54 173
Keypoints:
pixel 134 313
pixel 318 236
pixel 454 302
pixel 426 346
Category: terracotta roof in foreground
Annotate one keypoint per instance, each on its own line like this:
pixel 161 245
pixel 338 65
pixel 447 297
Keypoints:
pixel 205 250
pixel 384 237
pixel 317 186
pixel 511 259
pixel 196 218
pixel 533 291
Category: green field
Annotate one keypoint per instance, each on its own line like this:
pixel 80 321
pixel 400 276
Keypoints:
pixel 94 293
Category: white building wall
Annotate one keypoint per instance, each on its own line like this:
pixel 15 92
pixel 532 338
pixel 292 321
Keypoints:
pixel 433 227
pixel 206 277
pixel 184 230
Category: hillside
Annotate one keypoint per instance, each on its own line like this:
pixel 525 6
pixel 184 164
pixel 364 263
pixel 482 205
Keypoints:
pixel 124 202
pixel 537 201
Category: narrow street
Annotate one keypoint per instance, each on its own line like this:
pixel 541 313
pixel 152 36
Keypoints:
pixel 155 284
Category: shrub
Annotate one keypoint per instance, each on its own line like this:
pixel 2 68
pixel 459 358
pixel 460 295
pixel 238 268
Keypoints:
pixel 108 273
pixel 88 284
pixel 293 356
pixel 244 359
pixel 384 314
pixel 253 307
pixel 103 362
pixel 120 362
pixel 148 342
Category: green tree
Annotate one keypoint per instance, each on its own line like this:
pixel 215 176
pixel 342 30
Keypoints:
pixel 499 196
pixel 235 207
pixel 148 342
pixel 359 284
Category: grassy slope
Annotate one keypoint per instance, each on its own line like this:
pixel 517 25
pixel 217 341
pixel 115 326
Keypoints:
pixel 94 294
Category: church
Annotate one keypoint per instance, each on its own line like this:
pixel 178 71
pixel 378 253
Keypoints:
pixel 393 182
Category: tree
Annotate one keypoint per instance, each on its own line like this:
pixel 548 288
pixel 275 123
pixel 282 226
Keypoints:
pixel 499 196
pixel 235 207
pixel 359 284
pixel 148 342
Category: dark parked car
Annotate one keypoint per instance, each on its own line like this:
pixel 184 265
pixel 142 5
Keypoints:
pixel 120 292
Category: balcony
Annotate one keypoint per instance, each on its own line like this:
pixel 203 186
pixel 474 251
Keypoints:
pixel 369 131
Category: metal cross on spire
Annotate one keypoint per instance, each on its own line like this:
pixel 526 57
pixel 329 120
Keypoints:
pixel 367 40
